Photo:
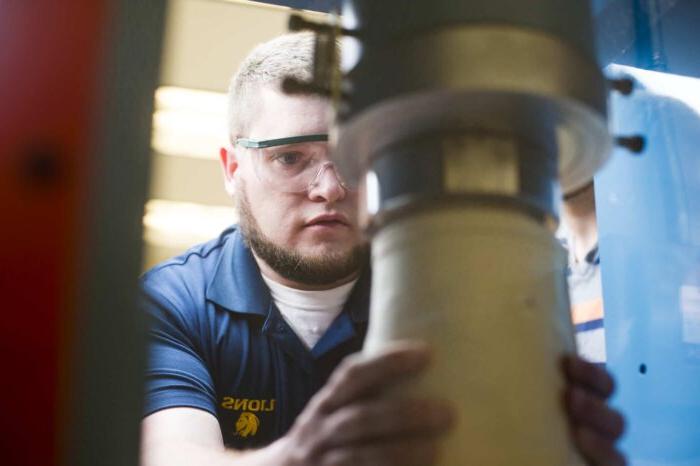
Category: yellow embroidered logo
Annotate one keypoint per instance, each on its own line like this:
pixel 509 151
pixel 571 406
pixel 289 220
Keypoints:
pixel 247 404
pixel 247 424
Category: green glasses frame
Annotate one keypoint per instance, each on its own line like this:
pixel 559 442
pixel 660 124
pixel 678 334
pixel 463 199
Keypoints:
pixel 253 144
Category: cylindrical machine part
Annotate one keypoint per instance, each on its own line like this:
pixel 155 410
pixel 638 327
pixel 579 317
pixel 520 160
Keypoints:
pixel 405 48
pixel 484 287
pixel 461 120
pixel 473 72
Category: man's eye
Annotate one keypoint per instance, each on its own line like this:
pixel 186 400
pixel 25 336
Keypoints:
pixel 288 158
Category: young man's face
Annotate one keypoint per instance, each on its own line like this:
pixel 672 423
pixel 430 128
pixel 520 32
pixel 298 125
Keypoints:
pixel 310 236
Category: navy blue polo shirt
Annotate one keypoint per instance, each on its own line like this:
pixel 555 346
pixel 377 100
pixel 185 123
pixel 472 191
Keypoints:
pixel 219 343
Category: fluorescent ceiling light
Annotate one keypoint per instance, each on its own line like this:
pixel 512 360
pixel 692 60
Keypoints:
pixel 189 122
pixel 181 224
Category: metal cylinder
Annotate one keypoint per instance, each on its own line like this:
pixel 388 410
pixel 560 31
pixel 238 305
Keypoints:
pixel 470 71
pixel 484 287
pixel 462 120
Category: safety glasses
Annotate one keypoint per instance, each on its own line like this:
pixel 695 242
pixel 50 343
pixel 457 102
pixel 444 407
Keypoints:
pixel 292 164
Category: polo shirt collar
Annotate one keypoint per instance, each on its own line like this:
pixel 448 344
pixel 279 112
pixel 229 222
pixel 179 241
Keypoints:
pixel 237 284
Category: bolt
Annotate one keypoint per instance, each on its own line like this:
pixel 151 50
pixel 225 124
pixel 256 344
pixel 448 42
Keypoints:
pixel 635 144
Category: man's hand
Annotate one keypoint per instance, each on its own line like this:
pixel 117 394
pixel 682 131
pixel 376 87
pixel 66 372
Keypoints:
pixel 343 423
pixel 595 426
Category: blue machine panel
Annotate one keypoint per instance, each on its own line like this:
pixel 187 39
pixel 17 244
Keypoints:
pixel 648 209
pixel 649 221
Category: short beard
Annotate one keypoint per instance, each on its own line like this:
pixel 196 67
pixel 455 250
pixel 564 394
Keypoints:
pixel 324 269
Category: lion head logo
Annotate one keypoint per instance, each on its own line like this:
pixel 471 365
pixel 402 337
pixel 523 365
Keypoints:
pixel 247 424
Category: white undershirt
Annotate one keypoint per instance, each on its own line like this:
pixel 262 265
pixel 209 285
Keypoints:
pixel 309 313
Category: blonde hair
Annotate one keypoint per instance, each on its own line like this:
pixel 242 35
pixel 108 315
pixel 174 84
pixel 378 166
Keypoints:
pixel 267 64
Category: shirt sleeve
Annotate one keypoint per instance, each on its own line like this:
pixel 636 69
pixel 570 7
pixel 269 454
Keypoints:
pixel 177 375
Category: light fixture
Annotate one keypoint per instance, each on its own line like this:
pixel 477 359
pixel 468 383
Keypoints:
pixel 181 224
pixel 189 122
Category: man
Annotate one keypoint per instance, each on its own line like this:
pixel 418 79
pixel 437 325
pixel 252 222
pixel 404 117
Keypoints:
pixel 580 237
pixel 251 331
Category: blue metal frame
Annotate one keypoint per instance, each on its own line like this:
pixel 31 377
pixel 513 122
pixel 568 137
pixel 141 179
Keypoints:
pixel 648 209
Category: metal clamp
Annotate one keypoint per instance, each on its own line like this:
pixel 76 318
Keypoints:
pixel 326 77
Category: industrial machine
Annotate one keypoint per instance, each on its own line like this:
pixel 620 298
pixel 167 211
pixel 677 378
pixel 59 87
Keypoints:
pixel 463 123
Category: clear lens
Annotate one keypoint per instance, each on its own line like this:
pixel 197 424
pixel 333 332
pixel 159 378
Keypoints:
pixel 291 168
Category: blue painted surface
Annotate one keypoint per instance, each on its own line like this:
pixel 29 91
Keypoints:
pixel 649 226
pixel 649 220
pixel 315 5
pixel 625 29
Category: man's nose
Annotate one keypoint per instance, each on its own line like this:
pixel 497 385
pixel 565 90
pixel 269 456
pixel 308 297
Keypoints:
pixel 328 186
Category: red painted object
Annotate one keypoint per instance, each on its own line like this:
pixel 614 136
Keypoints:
pixel 50 62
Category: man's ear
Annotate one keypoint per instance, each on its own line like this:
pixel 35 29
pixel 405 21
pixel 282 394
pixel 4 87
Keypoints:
pixel 229 165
